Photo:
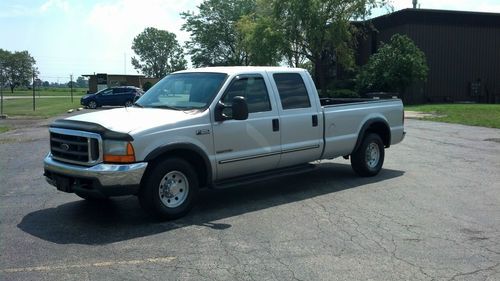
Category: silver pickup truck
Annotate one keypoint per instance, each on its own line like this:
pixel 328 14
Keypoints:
pixel 216 127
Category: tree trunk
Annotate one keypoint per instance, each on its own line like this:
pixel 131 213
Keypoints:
pixel 12 86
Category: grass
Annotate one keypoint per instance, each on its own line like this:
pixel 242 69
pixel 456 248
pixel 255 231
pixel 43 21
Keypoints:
pixel 3 129
pixel 44 107
pixel 77 92
pixel 485 115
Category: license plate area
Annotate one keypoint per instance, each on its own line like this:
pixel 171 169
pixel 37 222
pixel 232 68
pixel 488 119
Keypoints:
pixel 63 183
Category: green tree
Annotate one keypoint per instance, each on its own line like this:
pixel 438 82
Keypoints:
pixel 81 82
pixel 320 30
pixel 215 39
pixel 395 67
pixel 262 42
pixel 17 68
pixel 158 53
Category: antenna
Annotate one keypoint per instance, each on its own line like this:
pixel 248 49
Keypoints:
pixel 415 2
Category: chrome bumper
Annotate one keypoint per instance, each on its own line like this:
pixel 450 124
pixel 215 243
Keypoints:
pixel 107 175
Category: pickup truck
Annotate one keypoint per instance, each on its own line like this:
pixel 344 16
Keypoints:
pixel 216 127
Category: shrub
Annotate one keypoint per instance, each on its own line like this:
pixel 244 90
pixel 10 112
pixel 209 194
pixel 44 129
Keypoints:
pixel 395 67
pixel 341 93
pixel 147 85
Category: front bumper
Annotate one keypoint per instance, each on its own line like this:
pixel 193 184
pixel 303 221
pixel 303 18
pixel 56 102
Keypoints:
pixel 106 179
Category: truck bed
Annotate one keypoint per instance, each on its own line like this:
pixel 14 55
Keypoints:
pixel 344 119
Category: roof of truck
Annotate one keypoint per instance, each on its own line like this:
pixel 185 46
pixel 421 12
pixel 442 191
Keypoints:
pixel 241 69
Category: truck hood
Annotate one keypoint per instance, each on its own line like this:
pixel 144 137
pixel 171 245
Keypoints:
pixel 129 119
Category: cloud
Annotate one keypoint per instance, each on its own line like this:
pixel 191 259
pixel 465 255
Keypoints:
pixel 125 17
pixel 112 26
pixel 59 4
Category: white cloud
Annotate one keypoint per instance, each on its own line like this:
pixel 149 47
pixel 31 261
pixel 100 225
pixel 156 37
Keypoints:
pixel 127 17
pixel 59 4
pixel 114 25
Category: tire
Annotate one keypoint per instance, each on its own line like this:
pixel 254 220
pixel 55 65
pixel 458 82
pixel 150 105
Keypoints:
pixel 170 189
pixel 368 159
pixel 129 103
pixel 92 104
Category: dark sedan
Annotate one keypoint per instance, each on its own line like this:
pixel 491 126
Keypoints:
pixel 115 96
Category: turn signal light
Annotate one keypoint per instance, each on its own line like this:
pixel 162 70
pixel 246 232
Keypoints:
pixel 129 157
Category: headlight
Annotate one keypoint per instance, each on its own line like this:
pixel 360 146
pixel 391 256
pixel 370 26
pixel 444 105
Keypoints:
pixel 118 152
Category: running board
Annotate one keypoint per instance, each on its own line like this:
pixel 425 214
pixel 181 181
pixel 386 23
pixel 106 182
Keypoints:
pixel 263 176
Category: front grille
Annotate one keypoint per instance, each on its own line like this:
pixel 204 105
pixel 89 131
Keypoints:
pixel 75 147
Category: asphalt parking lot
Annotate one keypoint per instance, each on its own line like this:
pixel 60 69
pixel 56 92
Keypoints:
pixel 432 214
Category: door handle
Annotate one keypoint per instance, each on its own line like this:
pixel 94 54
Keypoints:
pixel 315 120
pixel 276 125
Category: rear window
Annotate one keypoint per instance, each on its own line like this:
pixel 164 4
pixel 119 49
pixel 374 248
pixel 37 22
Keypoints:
pixel 292 90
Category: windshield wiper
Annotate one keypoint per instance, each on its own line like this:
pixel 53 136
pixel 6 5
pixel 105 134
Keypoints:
pixel 165 107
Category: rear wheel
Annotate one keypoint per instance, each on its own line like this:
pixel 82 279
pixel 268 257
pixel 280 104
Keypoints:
pixel 368 159
pixel 92 104
pixel 170 189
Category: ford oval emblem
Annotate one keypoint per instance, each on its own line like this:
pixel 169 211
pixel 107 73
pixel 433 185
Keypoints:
pixel 64 146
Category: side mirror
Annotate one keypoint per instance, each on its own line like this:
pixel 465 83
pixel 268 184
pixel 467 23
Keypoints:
pixel 239 110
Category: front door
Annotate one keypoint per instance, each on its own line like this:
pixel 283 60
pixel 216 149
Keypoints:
pixel 252 145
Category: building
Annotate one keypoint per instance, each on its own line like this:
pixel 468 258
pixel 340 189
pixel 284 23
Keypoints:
pixel 462 50
pixel 101 81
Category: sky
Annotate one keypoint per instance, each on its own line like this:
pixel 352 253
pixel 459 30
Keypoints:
pixel 75 37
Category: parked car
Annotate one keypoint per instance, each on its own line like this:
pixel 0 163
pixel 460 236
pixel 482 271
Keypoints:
pixel 123 95
pixel 216 127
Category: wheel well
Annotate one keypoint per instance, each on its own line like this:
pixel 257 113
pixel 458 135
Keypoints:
pixel 193 158
pixel 382 130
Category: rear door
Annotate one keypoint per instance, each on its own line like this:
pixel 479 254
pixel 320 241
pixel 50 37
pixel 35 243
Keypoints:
pixel 300 124
pixel 119 96
pixel 252 145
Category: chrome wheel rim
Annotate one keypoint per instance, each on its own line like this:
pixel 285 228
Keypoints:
pixel 128 104
pixel 92 104
pixel 372 155
pixel 173 189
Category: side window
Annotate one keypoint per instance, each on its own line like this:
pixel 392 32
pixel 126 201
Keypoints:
pixel 118 91
pixel 292 90
pixel 253 89
pixel 107 92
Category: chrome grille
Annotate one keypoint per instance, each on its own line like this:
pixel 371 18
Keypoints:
pixel 75 147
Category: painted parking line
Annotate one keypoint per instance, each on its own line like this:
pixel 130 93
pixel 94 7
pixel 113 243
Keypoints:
pixel 85 265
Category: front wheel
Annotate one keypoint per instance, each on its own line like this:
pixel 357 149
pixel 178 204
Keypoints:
pixel 92 104
pixel 170 189
pixel 368 159
pixel 129 103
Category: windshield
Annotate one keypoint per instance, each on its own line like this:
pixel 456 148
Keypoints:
pixel 183 91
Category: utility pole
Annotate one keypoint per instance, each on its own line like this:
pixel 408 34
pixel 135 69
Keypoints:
pixel 33 89
pixel 414 2
pixel 71 86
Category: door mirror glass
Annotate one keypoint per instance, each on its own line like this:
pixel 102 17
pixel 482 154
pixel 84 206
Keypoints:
pixel 240 108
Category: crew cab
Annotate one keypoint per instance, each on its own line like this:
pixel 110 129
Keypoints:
pixel 216 127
